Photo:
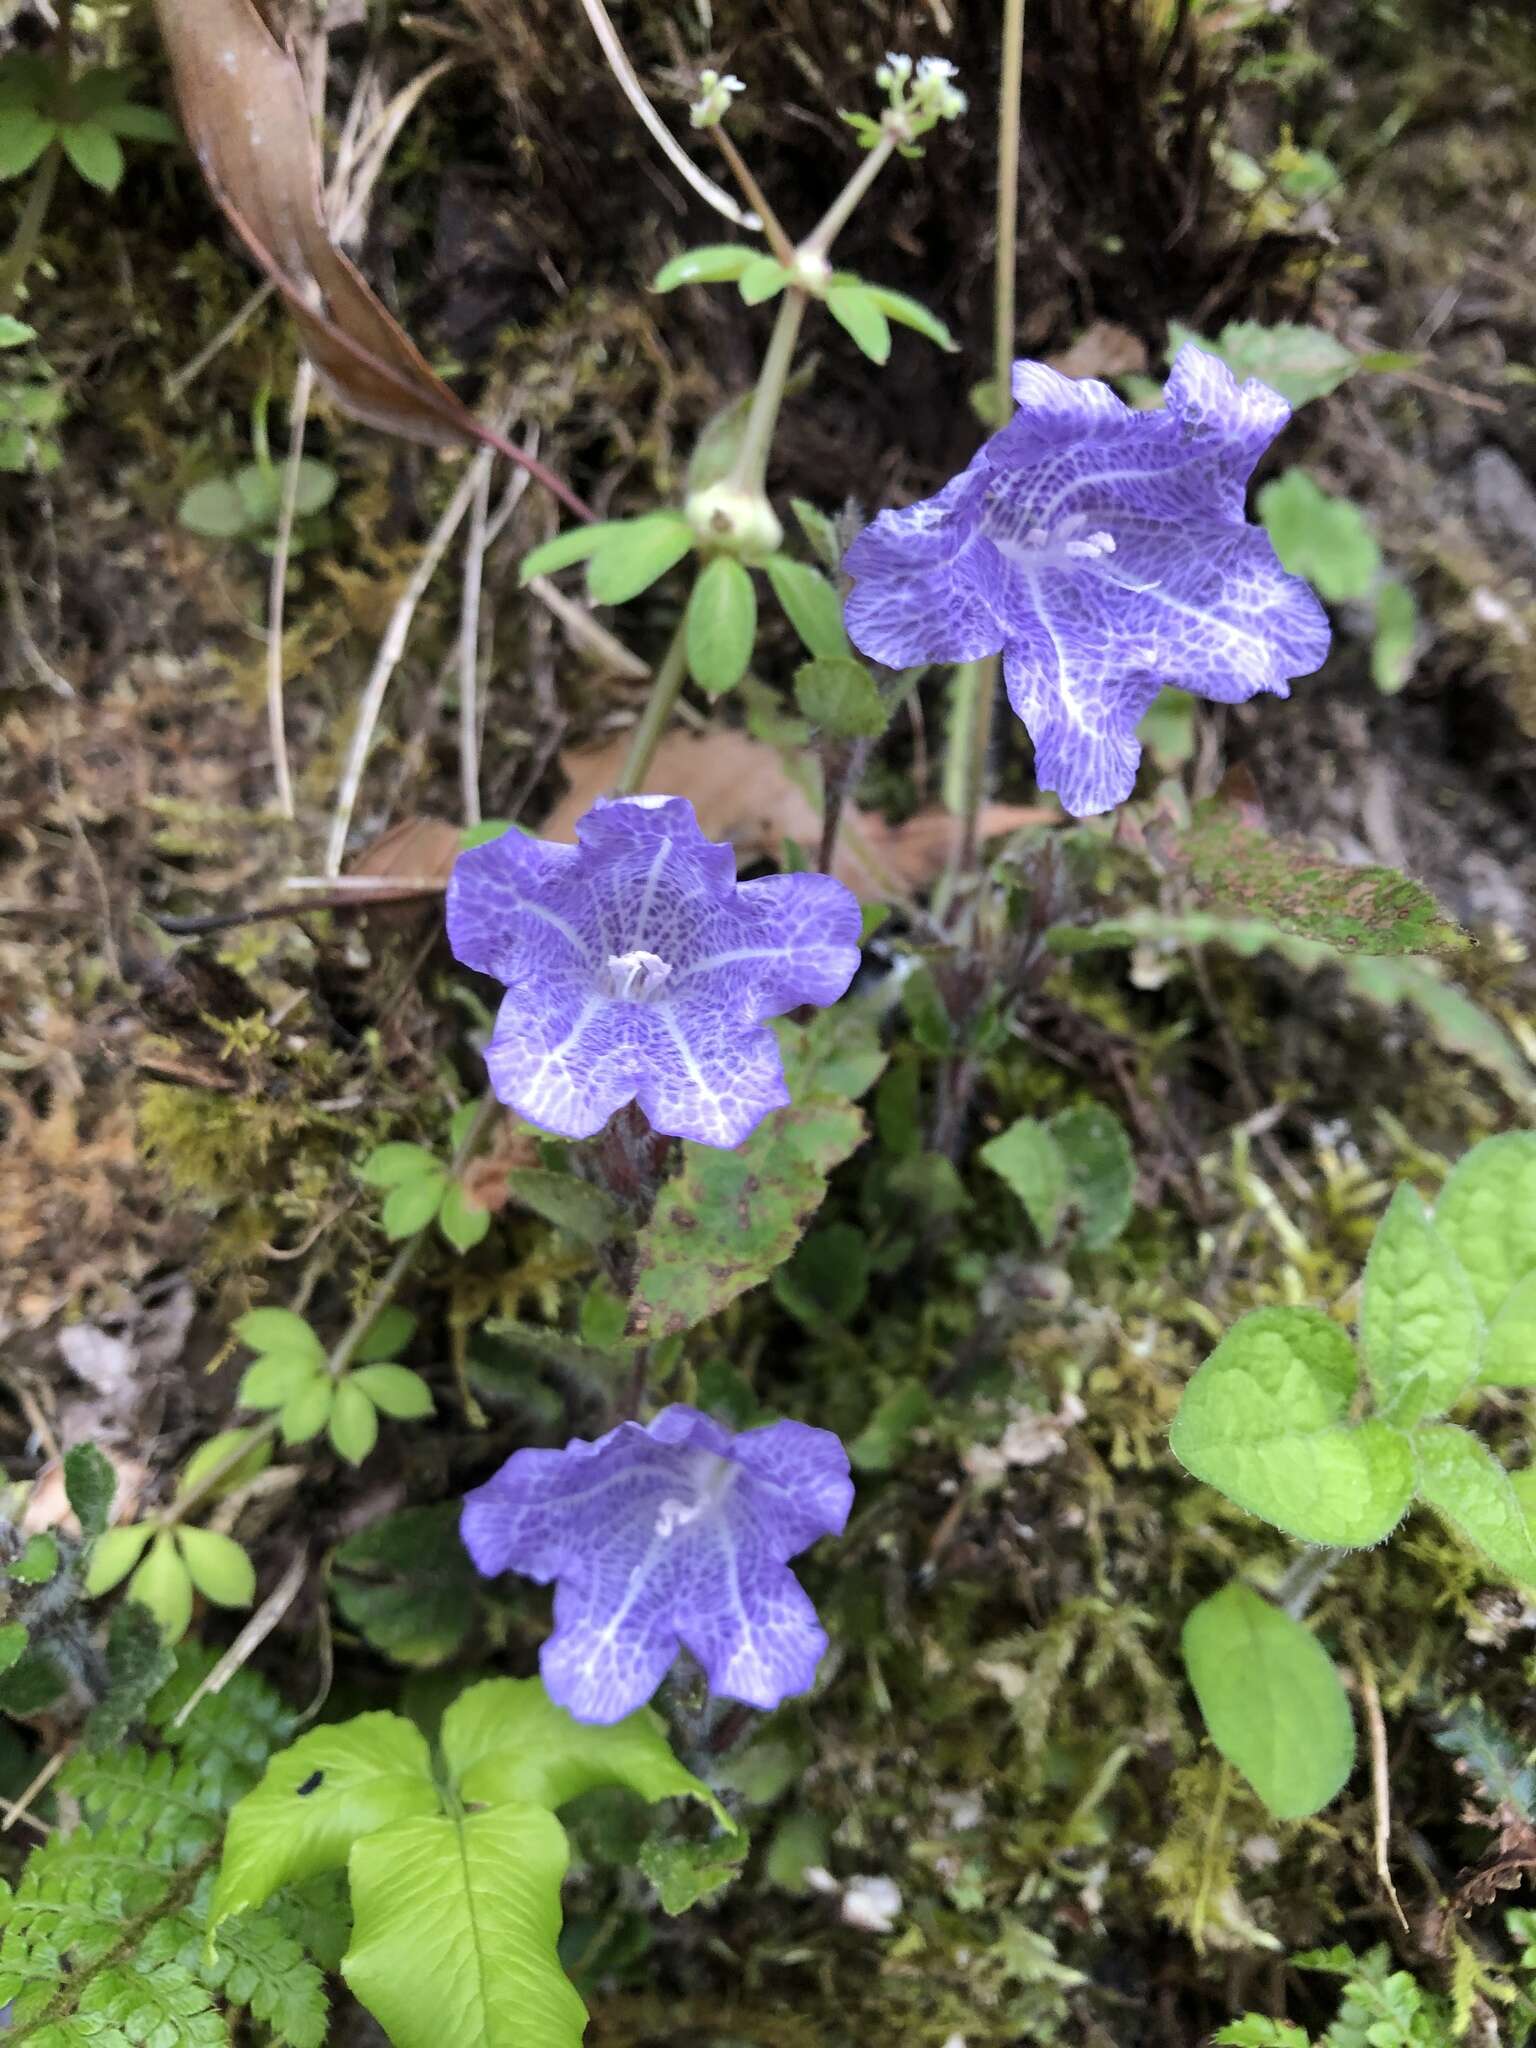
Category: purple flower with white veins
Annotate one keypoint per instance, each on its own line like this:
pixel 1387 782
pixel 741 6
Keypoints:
pixel 638 969
pixel 675 1534
pixel 1106 553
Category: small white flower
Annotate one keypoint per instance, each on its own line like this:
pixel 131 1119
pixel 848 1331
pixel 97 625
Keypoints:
pixel 871 1904
pixel 715 96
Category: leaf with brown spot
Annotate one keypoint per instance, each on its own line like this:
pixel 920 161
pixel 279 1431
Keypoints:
pixel 246 114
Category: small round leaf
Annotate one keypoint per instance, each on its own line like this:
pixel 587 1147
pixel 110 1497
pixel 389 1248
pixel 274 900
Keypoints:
pixel 219 1568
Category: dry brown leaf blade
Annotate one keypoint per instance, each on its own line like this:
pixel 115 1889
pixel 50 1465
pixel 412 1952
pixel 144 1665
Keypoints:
pixel 246 114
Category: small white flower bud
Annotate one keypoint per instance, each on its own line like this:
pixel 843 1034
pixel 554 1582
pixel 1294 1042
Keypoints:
pixel 715 96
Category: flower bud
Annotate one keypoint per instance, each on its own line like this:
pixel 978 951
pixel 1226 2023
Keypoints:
pixel 714 101
pixel 734 521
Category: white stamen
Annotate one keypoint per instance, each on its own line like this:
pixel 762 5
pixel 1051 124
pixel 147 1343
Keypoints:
pixel 713 1477
pixel 637 977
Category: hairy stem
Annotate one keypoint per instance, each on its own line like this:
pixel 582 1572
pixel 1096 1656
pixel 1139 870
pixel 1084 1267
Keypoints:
pixel 29 229
pixel 666 688
pixel 819 241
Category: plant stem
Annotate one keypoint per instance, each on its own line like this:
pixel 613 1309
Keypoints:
pixel 666 688
pixel 277 584
pixel 983 675
pixel 18 258
pixel 750 469
pixel 819 241
pixel 1305 1578
pixel 778 241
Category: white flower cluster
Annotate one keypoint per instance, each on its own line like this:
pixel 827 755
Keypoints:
pixel 714 100
pixel 925 88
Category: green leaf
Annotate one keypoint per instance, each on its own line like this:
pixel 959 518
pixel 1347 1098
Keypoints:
pixel 138 1664
pixel 95 153
pixel 911 313
pixel 1254 2030
pixel 1274 1704
pixel 138 124
pixel 15 333
pixel 810 603
pixel 261 490
pixel 858 312
pixel 305 1413
pixel 279 1329
pixel 576 544
pixel 218 1567
pixel 821 537
pixel 507 1743
pixel 463 1222
pixel 1101 1173
pixel 114 1555
pixel 634 554
pixel 395 1390
pixel 728 1218
pixel 1030 1160
pixel 24 135
pixel 14 1638
pixel 570 1204
pixel 1265 1420
pixel 214 509
pixel 316 487
pixel 216 1450
pixel 761 279
pixel 721 625
pixel 1487 1215
pixel 274 1380
pixel 827 1279
pixel 1167 728
pixel 354 1422
pixel 684 1873
pixel 1301 363
pixel 455 1931
pixel 905 1408
pixel 163 1585
pixel 719 263
pixel 407 1583
pixel 1420 1325
pixel 316 1798
pixel 837 1053
pixel 90 1486
pixel 838 693
pixel 1397 625
pixel 38 1562
pixel 1320 537
pixel 1509 1356
pixel 412 1204
pixel 1353 909
pixel 392 1329
pixel 397 1163
pixel 1461 1479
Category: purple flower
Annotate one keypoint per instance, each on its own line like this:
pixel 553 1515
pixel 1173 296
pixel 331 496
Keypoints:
pixel 1106 553
pixel 638 969
pixel 673 1534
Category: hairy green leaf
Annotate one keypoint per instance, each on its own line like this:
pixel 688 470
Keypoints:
pixel 1101 1173
pixel 1509 1355
pixel 90 1486
pixel 720 625
pixel 1420 1325
pixel 1461 1479
pixel 407 1583
pixel 1321 537
pixel 839 694
pixel 1301 363
pixel 570 1204
pixel 1265 1420
pixel 634 554
pixel 728 1218
pixel 810 603
pixel 1487 1215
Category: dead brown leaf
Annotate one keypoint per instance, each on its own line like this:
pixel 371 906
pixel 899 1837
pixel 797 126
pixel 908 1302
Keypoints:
pixel 245 111
pixel 1102 350
pixel 743 792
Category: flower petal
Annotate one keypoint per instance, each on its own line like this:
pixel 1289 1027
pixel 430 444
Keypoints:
pixel 802 1479
pixel 509 903
pixel 1080 706
pixel 1060 408
pixel 1215 410
pixel 749 1621
pixel 562 1057
pixel 614 1638
pixel 946 611
pixel 535 1515
pixel 713 1080
pixel 1205 605
pixel 781 941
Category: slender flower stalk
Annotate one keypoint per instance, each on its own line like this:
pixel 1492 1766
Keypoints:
pixel 819 241
pixel 750 469
pixel 666 688
pixel 979 680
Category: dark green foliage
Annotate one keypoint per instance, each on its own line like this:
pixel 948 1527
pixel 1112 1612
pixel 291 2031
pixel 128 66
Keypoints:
pixel 104 1936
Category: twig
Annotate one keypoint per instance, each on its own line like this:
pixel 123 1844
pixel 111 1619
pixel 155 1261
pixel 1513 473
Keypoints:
pixel 469 643
pixel 391 648
pixel 1381 1793
pixel 18 1810
pixel 778 239
pixel 634 92
pixel 579 623
pixel 277 585
pixel 251 1637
